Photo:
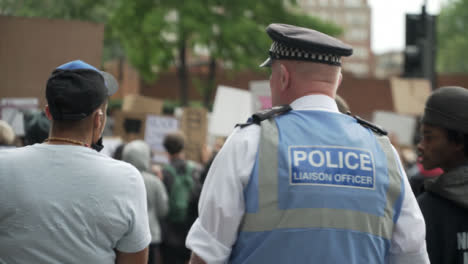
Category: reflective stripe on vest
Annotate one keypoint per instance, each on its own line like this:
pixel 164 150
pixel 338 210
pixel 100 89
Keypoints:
pixel 270 217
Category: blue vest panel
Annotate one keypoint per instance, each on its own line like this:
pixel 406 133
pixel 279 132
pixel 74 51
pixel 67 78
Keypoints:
pixel 327 163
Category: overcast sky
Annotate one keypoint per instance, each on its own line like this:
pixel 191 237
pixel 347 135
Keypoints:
pixel 388 21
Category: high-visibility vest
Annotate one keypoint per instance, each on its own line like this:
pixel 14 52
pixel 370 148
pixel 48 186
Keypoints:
pixel 324 189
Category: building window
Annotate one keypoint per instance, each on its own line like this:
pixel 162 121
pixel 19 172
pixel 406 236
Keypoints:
pixel 360 53
pixel 354 18
pixel 335 3
pixel 356 68
pixel 325 16
pixel 356 34
pixel 353 3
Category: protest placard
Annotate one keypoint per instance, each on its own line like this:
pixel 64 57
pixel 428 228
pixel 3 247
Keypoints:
pixel 231 106
pixel 194 126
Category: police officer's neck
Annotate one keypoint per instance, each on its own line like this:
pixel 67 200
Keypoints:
pixel 306 78
pixel 313 89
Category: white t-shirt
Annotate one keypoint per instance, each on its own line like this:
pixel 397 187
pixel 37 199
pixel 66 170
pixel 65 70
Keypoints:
pixel 69 204
pixel 221 205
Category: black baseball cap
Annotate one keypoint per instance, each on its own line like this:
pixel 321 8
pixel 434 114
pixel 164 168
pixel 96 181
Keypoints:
pixel 75 89
pixel 299 43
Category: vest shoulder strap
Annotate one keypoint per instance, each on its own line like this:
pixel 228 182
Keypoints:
pixel 258 117
pixel 375 128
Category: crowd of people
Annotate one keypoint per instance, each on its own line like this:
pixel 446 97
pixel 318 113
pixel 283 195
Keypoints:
pixel 302 182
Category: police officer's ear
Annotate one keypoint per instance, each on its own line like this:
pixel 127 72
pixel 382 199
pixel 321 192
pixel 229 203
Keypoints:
pixel 338 83
pixel 284 77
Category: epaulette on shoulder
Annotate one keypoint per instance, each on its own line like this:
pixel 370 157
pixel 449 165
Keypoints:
pixel 266 114
pixel 375 128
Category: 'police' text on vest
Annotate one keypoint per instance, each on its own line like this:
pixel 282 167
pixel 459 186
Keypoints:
pixel 331 166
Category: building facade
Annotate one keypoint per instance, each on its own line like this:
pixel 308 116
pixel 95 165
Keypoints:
pixel 389 64
pixel 354 16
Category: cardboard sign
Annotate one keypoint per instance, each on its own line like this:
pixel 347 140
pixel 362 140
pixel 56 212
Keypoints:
pixel 157 127
pixel 148 127
pixel 142 104
pixel 11 111
pixel 231 106
pixel 194 126
pixel 261 95
pixel 410 95
pixel 403 126
pixel 129 126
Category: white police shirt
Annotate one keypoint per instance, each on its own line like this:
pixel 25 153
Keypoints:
pixel 221 205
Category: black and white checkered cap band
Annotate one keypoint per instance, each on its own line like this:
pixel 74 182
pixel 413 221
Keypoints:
pixel 280 51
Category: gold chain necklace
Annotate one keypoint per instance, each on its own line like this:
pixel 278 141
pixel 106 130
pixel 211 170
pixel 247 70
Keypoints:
pixel 67 140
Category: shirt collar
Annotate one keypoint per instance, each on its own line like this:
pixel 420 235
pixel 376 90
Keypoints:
pixel 315 102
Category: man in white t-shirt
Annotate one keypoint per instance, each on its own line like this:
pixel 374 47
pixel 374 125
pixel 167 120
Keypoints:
pixel 64 202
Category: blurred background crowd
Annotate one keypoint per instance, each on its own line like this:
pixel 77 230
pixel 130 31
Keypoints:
pixel 188 72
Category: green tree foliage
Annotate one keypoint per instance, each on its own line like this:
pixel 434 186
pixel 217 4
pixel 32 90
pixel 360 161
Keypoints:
pixel 452 39
pixel 159 34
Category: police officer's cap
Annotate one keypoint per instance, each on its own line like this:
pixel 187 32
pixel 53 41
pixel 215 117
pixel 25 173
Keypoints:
pixel 298 43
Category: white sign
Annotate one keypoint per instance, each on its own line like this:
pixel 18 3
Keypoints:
pixel 403 126
pixel 157 127
pixel 11 111
pixel 231 106
pixel 110 145
pixel 261 95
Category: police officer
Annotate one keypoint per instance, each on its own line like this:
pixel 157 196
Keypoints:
pixel 303 183
pixel 444 205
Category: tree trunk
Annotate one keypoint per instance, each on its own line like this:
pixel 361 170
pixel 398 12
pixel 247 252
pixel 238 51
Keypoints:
pixel 182 72
pixel 210 83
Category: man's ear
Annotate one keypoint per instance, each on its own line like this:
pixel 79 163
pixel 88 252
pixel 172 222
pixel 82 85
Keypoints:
pixel 98 118
pixel 284 77
pixel 47 112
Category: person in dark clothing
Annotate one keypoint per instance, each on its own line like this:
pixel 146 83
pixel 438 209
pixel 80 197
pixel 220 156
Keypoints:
pixel 118 152
pixel 444 205
pixel 416 172
pixel 182 180
pixel 417 175
pixel 36 127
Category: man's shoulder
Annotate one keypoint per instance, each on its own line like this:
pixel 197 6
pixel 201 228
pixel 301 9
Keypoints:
pixel 244 136
pixel 434 203
pixel 266 114
pixel 118 167
pixel 15 153
pixel 431 199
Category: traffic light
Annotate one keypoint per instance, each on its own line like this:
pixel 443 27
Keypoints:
pixel 420 46
pixel 413 48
